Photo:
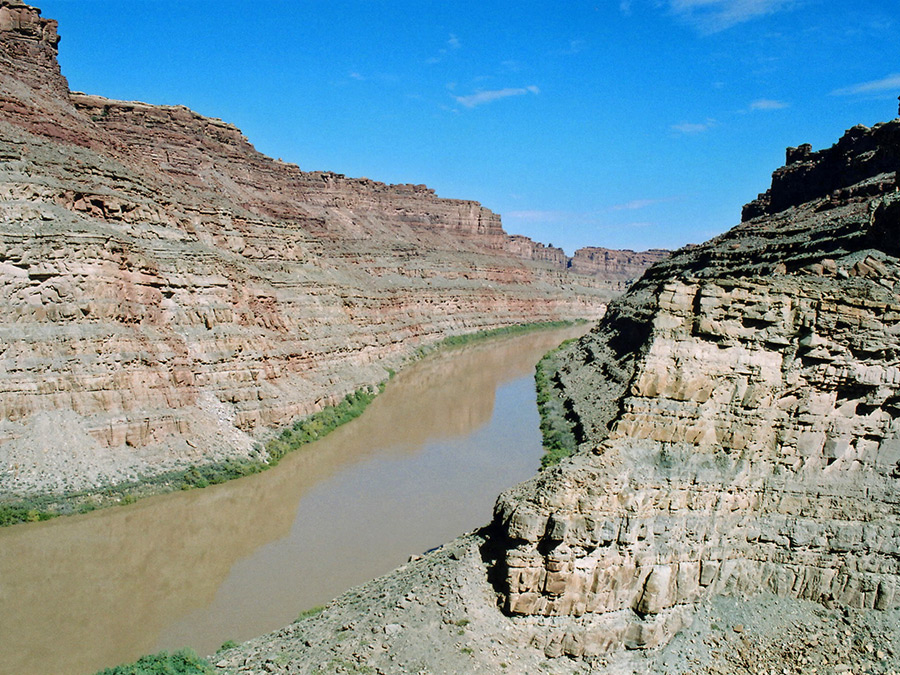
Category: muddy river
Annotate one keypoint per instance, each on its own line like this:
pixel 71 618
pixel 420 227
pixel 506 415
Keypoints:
pixel 230 562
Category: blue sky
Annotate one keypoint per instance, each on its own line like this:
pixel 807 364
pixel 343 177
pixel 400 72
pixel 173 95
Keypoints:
pixel 618 123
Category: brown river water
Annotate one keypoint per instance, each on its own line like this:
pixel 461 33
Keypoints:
pixel 423 464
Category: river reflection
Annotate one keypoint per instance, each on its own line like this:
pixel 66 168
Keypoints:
pixel 423 464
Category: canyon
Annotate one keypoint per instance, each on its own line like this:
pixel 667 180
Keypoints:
pixel 171 296
pixel 734 502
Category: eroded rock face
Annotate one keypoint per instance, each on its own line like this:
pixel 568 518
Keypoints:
pixel 168 295
pixel 740 409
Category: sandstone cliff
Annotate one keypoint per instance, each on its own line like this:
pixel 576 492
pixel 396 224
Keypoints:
pixel 738 412
pixel 168 295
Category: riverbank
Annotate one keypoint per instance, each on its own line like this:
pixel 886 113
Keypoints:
pixel 438 614
pixel 241 559
pixel 264 455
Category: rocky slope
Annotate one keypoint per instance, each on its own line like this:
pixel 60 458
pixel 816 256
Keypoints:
pixel 738 473
pixel 168 295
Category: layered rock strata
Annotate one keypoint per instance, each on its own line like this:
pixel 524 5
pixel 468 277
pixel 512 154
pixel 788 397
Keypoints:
pixel 168 295
pixel 739 414
pixel 623 266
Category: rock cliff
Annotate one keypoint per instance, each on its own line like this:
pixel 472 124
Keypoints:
pixel 169 295
pixel 738 412
pixel 739 418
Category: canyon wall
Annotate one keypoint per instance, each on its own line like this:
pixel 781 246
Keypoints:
pixel 739 418
pixel 169 296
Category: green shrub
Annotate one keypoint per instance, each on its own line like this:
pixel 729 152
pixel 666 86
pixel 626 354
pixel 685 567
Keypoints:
pixel 183 662
pixel 22 512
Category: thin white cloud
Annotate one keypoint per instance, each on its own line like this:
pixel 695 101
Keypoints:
pixel 537 215
pixel 575 47
pixel 636 204
pixel 768 104
pixel 689 128
pixel 356 76
pixel 713 16
pixel 889 83
pixel 625 7
pixel 453 43
pixel 482 97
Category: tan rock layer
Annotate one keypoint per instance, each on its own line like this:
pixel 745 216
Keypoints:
pixel 611 264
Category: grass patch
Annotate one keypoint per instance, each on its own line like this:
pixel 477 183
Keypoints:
pixel 337 665
pixel 44 507
pixel 311 612
pixel 515 329
pixel 557 430
pixel 182 662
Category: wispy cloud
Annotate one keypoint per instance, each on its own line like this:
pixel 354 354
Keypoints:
pixel 575 47
pixel 535 215
pixel 689 128
pixel 768 104
pixel 482 97
pixel 713 16
pixel 453 44
pixel 889 83
pixel 636 204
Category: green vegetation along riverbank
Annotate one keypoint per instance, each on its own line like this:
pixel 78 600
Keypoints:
pixel 266 455
pixel 559 431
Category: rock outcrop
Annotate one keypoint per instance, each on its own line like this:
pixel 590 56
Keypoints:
pixel 739 413
pixel 169 295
